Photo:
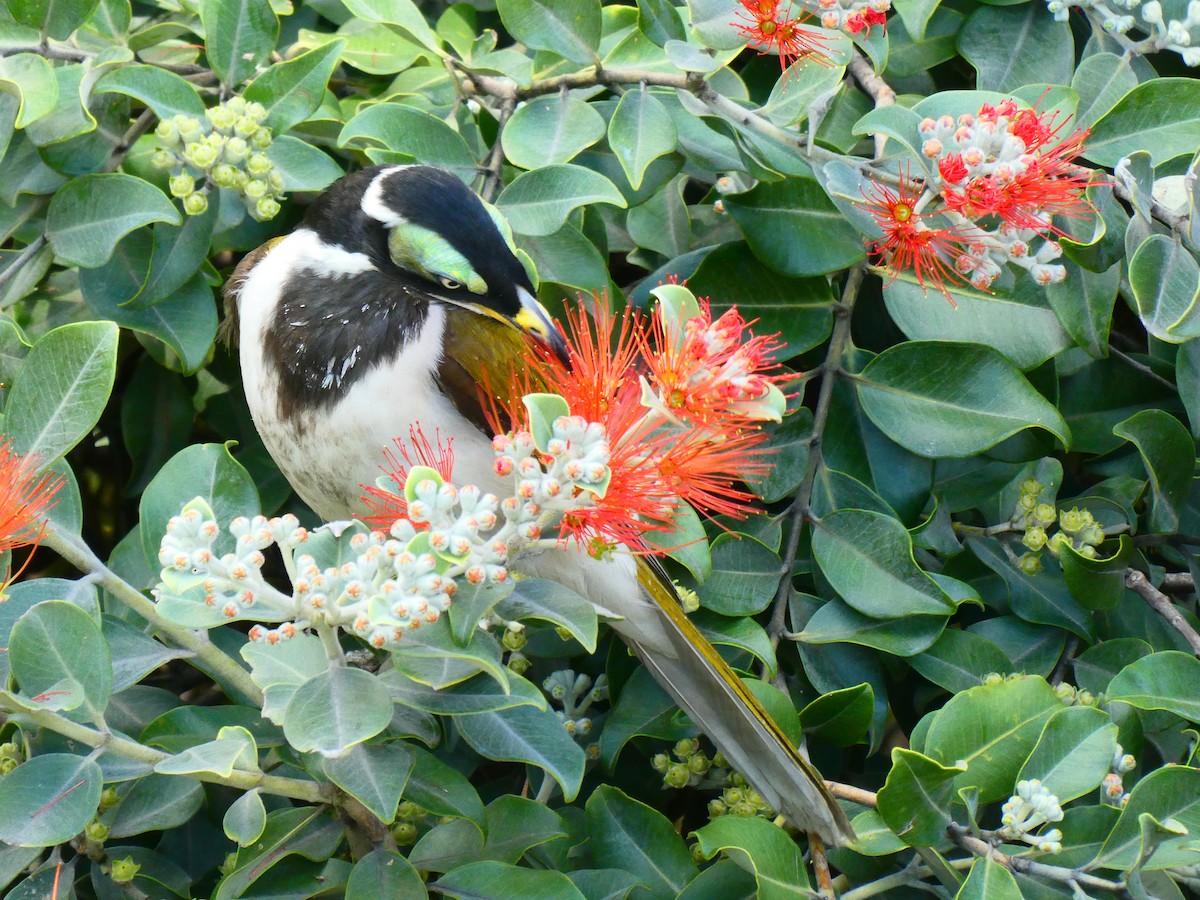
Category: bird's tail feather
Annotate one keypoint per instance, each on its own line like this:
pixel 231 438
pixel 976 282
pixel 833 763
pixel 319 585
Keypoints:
pixel 736 722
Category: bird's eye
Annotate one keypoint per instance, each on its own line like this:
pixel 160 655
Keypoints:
pixel 449 283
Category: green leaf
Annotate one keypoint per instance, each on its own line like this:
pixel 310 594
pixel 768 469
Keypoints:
pixel 549 130
pixel 517 824
pixel 474 602
pixel 370 47
pixel 662 223
pixel 1165 279
pixel 1042 597
pixel 302 166
pixel 840 717
pixel 335 710
pixel 154 803
pixel 744 577
pixel 1165 680
pixel 413 132
pixel 166 93
pixel 177 254
pixel 1101 80
pixel 659 21
pixel 134 654
pixel 639 132
pixel 239 34
pixel 31 78
pixel 291 91
pixel 1159 116
pixel 90 213
pixel 991 729
pixel 1013 46
pixel 374 774
pixel 481 693
pixel 293 831
pixel 48 799
pixel 793 227
pixel 959 659
pixel 761 848
pixel 567 258
pixel 490 880
pixel 1021 325
pixel 245 819
pixel 549 601
pixel 686 542
pixel 643 709
pixel 945 399
pixel 56 18
pixel 1084 304
pixel 1097 583
pixel 915 800
pixel 837 622
pixel 530 735
pixel 61 660
pixel 1074 753
pixel 989 880
pixel 233 749
pixel 629 835
pixel 442 790
pixel 538 202
pixel 63 387
pixel 1172 792
pixel 1168 453
pixel 403 13
pixel 382 873
pixel 868 559
pixel 570 28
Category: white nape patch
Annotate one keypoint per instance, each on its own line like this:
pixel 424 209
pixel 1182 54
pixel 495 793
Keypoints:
pixel 372 201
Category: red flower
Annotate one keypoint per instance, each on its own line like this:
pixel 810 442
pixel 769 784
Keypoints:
pixel 909 242
pixel 26 495
pixel 771 28
pixel 699 456
pixel 952 168
pixel 386 506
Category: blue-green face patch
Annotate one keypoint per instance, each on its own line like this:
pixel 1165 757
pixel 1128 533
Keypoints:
pixel 427 253
pixel 502 225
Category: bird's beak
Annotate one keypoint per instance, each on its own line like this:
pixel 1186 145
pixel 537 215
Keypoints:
pixel 533 319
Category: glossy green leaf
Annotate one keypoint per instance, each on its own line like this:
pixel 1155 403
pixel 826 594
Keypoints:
pixel 989 880
pixel 538 202
pixel 491 880
pixel 245 819
pixel 1042 597
pixel 305 831
pixel 134 653
pixel 166 93
pixel 570 28
pixel 1165 279
pixel 291 91
pixel 31 78
pixel 475 695
pixel 302 166
pixel 550 130
pixel 527 734
pixel 1169 793
pixel 334 710
pixel 403 129
pixel 991 730
pixel 744 577
pixel 1074 752
pixel 867 558
pixel 48 800
pixel 761 848
pixel 959 660
pixel 234 748
pixel 1165 680
pixel 89 214
pixel 1168 453
pixel 441 789
pixel 371 47
pixel 548 601
pixel 639 132
pixel 915 800
pixel 1101 80
pixel 62 389
pixel 840 717
pixel 1012 46
pixel 56 18
pixel 239 35
pixel 515 825
pixel 949 399
pixel 382 873
pixel 837 622
pixel 642 709
pixel 374 774
pixel 1097 583
pixel 629 835
pixel 153 803
pixel 403 13
pixel 793 227
pixel 1084 305
pixel 1159 116
pixel 662 223
pixel 61 660
pixel 567 258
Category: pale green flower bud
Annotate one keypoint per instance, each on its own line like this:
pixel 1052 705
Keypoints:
pixel 224 175
pixel 660 762
pixel 195 204
pixel 716 808
pixel 236 105
pixel 200 155
pixel 245 127
pixel 1045 514
pixel 256 111
pixel 678 775
pixel 275 180
pixel 1030 563
pixel 214 140
pixel 236 151
pixel 512 640
pixel 1056 542
pixel 182 185
pixel 124 870
pixel 1035 538
pixel 189 128
pixel 222 118
pixel 259 165
pixel 262 138
pixel 404 833
pixel 256 189
pixel 516 662
pixel 168 132
pixel 163 159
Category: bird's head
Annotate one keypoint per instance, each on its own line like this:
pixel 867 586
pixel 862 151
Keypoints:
pixel 422 225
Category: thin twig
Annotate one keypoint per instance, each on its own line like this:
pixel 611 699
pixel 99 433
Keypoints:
pixel 296 788
pixel 963 838
pixel 801 509
pixel 22 259
pixel 1139 367
pixel 139 127
pixel 852 793
pixel 1158 601
pixel 1179 582
pixel 821 866
pixel 212 659
pixel 495 160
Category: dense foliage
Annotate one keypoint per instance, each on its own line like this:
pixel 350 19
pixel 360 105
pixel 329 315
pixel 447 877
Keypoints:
pixel 971 579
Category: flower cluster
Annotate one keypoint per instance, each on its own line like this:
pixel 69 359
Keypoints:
pixel 394 581
pixel 1112 788
pixel 739 799
pixel 228 151
pixel 1077 528
pixel 26 495
pixel 1074 696
pixel 575 694
pixel 681 399
pixel 1031 807
pixel 854 16
pixel 1180 35
pixel 777 26
pixel 690 765
pixel 996 178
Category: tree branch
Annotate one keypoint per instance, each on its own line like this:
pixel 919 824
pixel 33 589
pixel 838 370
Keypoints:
pixel 963 838
pixel 1159 602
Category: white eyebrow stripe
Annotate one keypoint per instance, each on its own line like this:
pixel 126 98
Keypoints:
pixel 372 201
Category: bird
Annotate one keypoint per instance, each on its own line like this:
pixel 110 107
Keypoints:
pixel 398 293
